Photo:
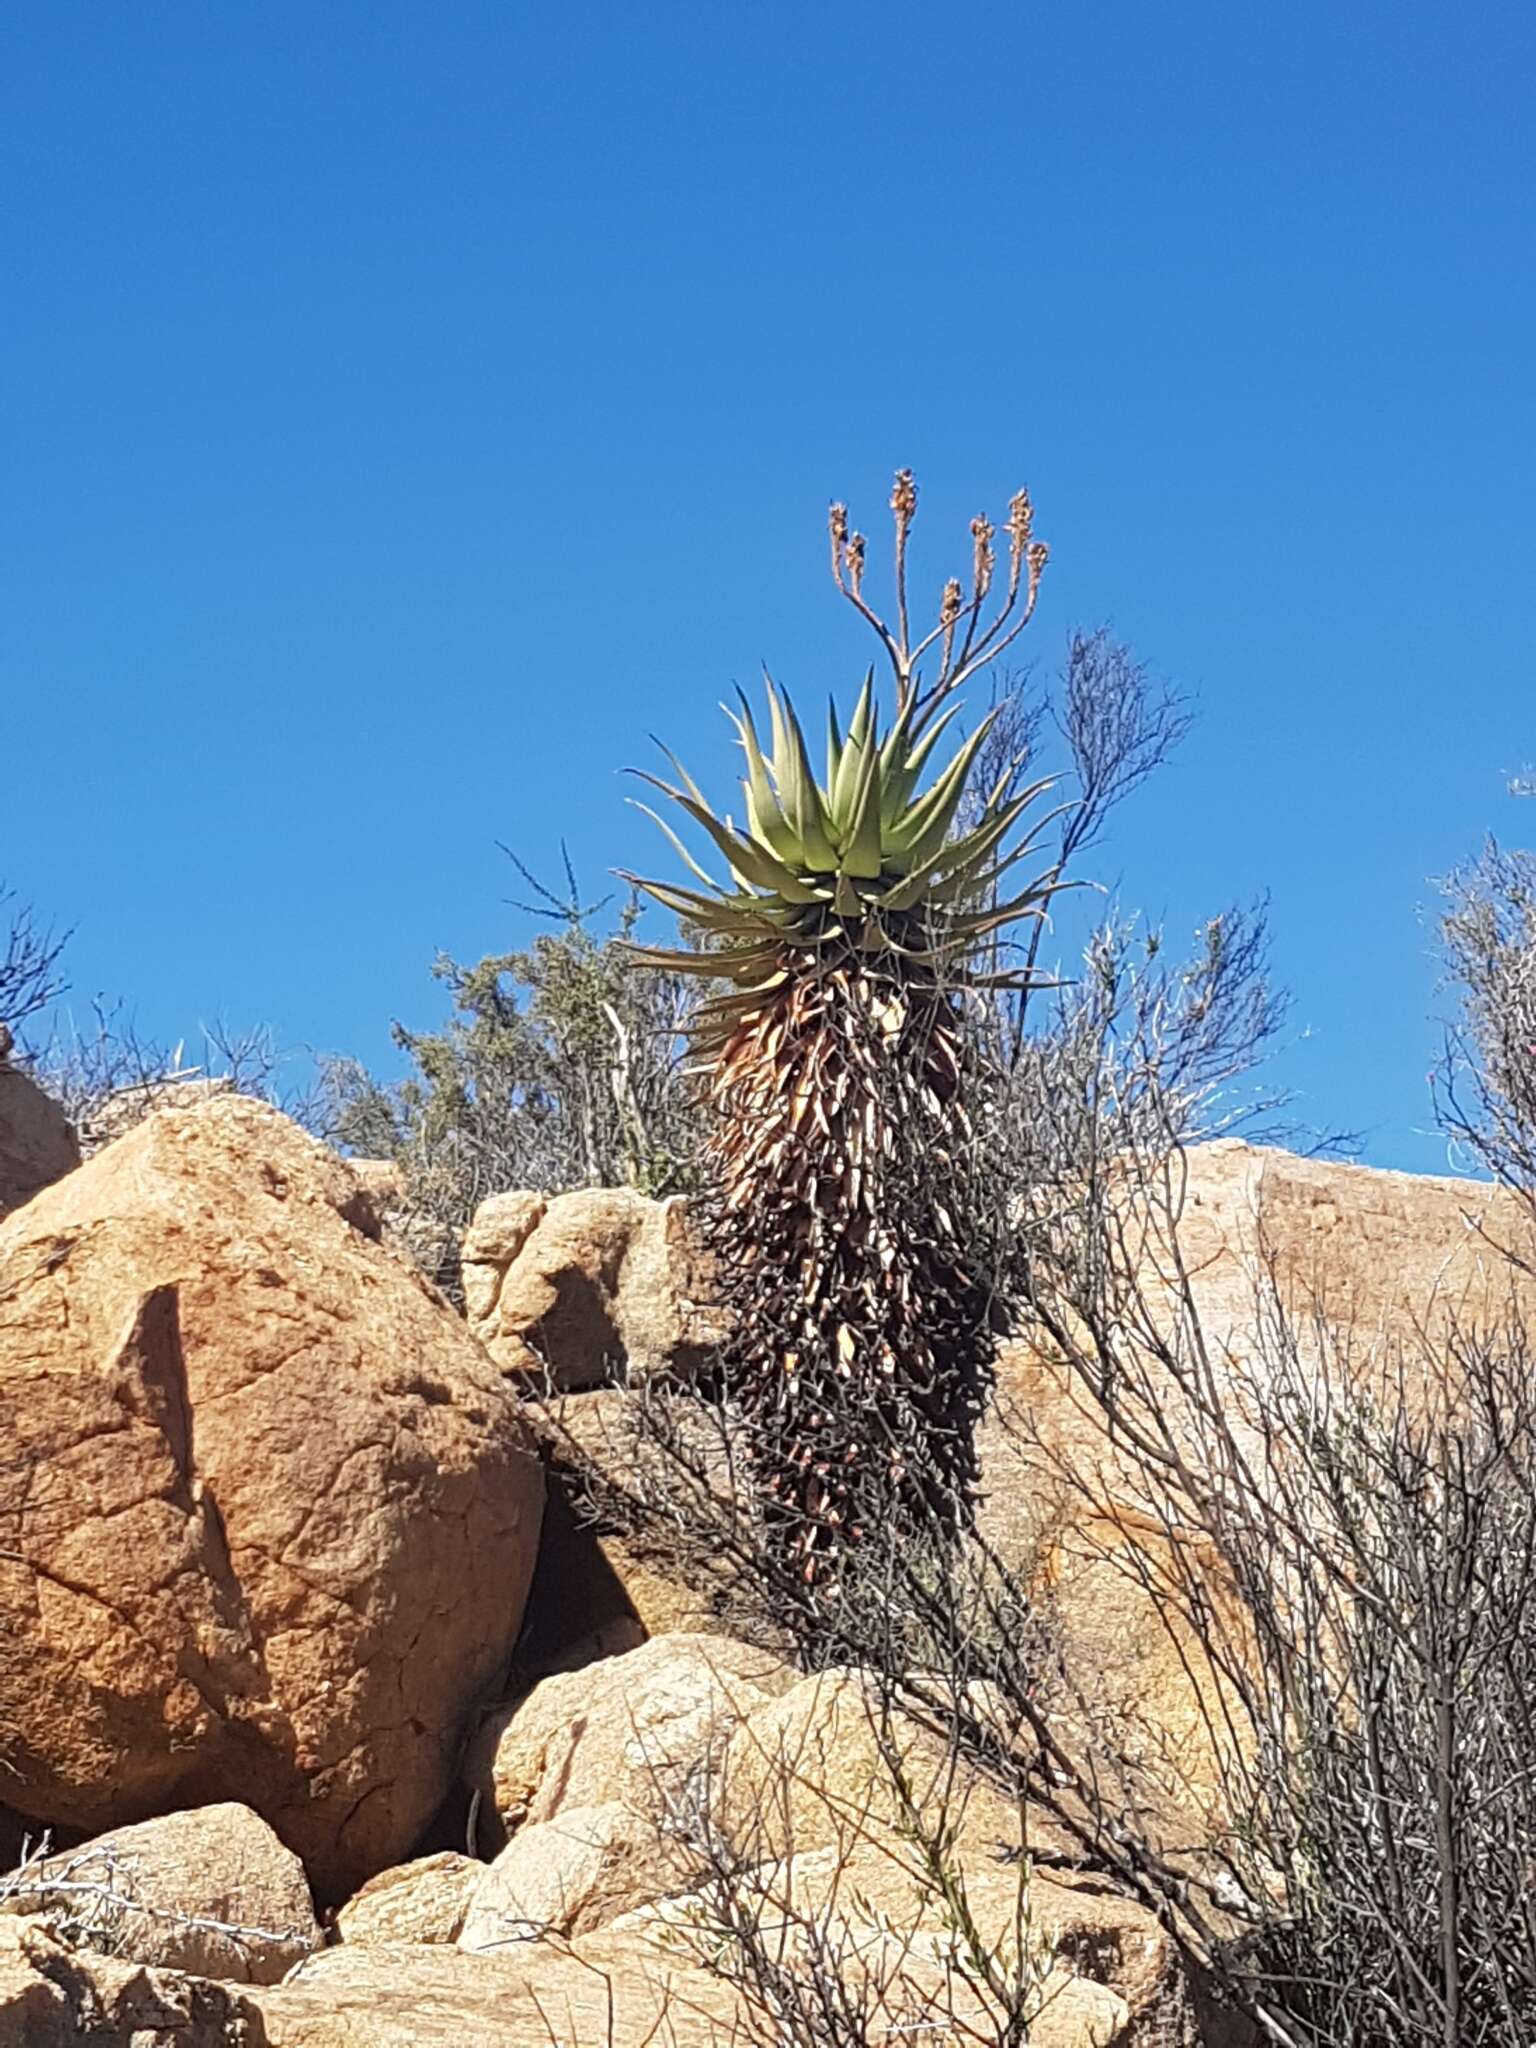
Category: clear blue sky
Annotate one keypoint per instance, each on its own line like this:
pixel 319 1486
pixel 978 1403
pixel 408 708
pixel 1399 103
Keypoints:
pixel 406 409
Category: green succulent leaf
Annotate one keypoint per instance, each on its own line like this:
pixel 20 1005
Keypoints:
pixel 802 797
pixel 925 827
pixel 861 855
pixel 764 817
pixel 834 742
pixel 847 901
pixel 906 772
pixel 733 916
pixel 677 845
pixel 863 711
pixel 753 863
pixel 726 963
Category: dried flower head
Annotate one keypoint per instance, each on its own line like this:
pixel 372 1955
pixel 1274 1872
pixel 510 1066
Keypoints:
pixel 1039 555
pixel 984 559
pixel 855 547
pixel 837 527
pixel 1021 520
pixel 904 498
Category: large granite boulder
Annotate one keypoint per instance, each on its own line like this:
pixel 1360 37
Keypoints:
pixel 267 1512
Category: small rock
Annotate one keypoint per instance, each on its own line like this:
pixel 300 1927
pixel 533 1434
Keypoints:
pixel 618 1991
pixel 614 1730
pixel 211 1891
pixel 594 1284
pixel 422 1901
pixel 56 1996
pixel 569 1876
pixel 37 1146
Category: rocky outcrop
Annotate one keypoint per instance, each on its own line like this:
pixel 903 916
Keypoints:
pixel 1377 1254
pixel 268 1514
pixel 37 1146
pixel 791 1780
pixel 597 1590
pixel 1098 1970
pixel 593 1284
pixel 596 1923
pixel 809 1770
pixel 211 1891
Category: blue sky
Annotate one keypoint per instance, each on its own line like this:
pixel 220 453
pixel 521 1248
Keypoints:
pixel 406 410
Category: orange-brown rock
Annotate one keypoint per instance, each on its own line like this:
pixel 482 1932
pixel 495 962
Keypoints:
pixel 643 1982
pixel 1094 1970
pixel 1376 1253
pixel 569 1876
pixel 37 1146
pixel 810 1837
pixel 609 1990
pixel 268 1515
pixel 597 1591
pixel 593 1284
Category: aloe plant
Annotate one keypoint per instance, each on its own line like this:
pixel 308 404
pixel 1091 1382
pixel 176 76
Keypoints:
pixel 851 918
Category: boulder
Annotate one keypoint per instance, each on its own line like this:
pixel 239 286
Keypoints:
pixel 111 1116
pixel 422 1901
pixel 642 1983
pixel 37 1145
pixel 1371 1256
pixel 570 1875
pixel 595 1284
pixel 616 1731
pixel 268 1515
pixel 212 1892
pixel 809 1769
pixel 1377 1253
pixel 595 1922
pixel 800 1802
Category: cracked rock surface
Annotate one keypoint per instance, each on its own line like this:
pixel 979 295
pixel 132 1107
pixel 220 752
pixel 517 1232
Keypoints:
pixel 267 1511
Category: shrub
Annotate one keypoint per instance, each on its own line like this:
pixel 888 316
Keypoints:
pixel 558 1069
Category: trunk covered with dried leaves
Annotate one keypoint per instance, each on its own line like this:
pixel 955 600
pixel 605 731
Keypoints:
pixel 840 1134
